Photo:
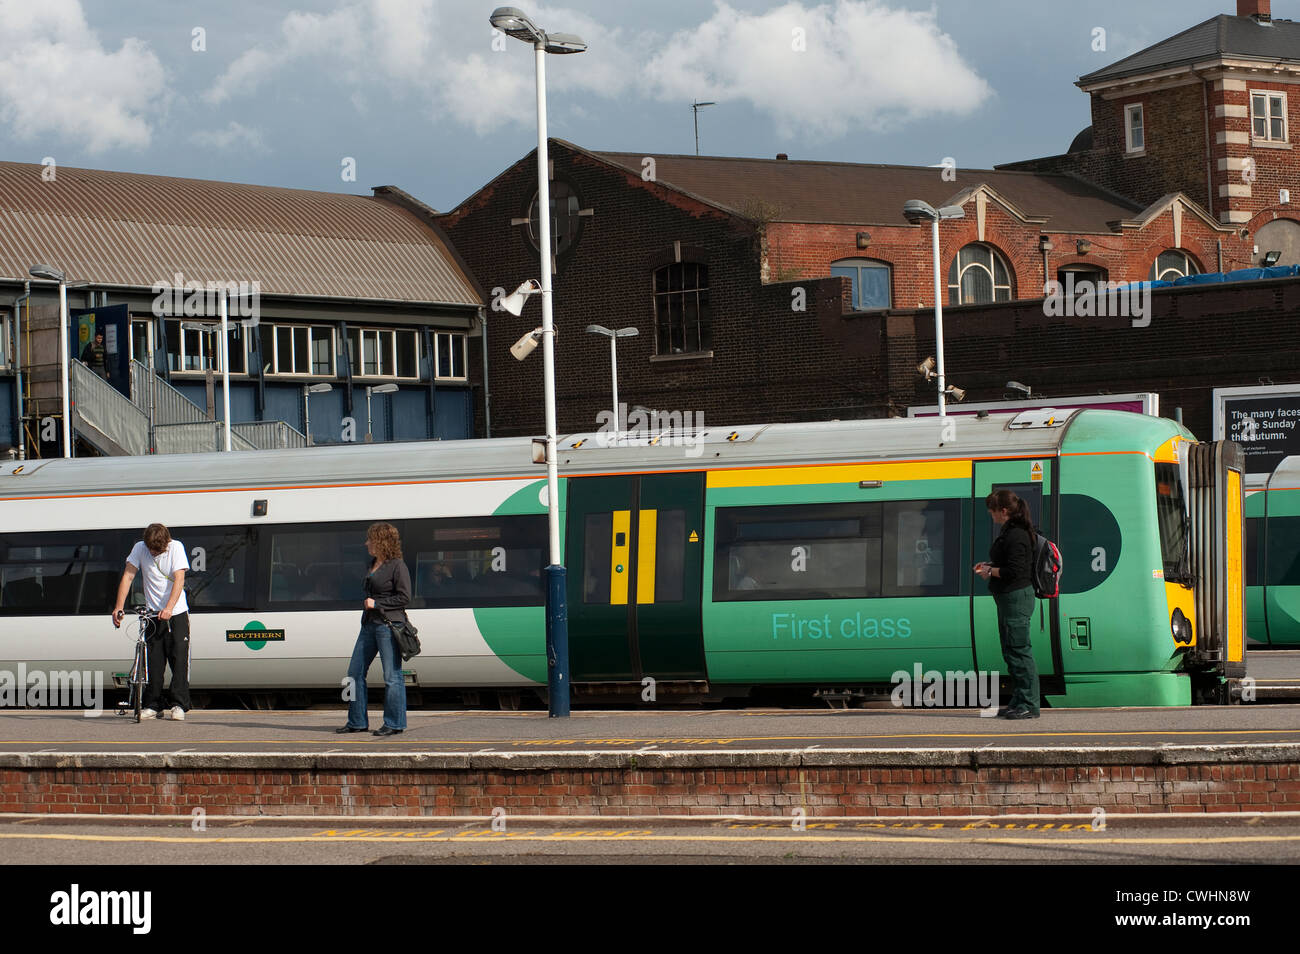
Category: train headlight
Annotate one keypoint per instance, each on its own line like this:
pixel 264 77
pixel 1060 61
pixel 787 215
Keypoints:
pixel 1181 627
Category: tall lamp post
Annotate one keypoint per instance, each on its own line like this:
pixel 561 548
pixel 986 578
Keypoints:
pixel 515 23
pixel 375 389
pixel 53 274
pixel 916 212
pixel 613 337
pixel 307 391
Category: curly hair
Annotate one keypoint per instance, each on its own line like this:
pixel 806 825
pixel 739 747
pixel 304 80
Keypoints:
pixel 156 537
pixel 388 545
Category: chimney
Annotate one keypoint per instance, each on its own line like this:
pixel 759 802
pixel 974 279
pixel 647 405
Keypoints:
pixel 1259 9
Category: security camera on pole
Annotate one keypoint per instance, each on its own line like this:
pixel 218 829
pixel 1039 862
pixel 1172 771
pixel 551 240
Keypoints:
pixel 515 23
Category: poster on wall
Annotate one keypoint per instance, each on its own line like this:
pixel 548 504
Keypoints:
pixel 1264 420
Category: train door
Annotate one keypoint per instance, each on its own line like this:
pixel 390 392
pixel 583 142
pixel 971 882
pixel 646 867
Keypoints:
pixel 634 569
pixel 1034 482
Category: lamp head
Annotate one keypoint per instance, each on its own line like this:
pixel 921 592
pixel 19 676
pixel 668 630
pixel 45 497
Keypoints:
pixel 1270 259
pixel 563 43
pixel 952 212
pixel 48 272
pixel 600 330
pixel 916 211
pixel 382 388
pixel 1024 390
pixel 319 388
pixel 514 22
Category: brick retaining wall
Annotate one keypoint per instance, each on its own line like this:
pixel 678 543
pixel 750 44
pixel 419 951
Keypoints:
pixel 753 783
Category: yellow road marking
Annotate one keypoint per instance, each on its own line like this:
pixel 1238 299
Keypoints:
pixel 484 835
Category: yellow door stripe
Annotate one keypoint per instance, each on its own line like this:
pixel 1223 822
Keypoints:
pixel 1233 526
pixel 841 473
pixel 645 556
pixel 618 554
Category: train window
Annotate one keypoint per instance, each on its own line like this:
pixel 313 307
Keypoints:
pixel 1283 563
pixel 597 552
pixel 922 548
pixel 1171 515
pixel 218 573
pixel 828 551
pixel 479 561
pixel 61 573
pixel 670 555
pixel 322 565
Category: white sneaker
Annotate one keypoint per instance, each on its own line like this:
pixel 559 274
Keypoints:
pixel 178 714
pixel 148 714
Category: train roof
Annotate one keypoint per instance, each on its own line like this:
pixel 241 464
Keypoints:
pixel 1037 432
pixel 1286 475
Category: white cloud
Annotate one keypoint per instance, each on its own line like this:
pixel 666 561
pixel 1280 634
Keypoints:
pixel 438 50
pixel 863 65
pixel 58 79
pixel 236 137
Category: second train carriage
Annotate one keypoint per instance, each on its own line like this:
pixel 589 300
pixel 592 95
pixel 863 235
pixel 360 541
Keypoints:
pixel 821 556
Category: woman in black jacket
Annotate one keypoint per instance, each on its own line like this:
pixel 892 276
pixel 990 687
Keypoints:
pixel 1007 572
pixel 388 590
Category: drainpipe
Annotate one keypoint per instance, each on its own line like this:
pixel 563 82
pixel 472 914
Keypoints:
pixel 24 298
pixel 487 395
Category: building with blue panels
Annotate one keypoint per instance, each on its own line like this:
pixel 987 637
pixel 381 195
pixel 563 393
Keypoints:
pixel 349 316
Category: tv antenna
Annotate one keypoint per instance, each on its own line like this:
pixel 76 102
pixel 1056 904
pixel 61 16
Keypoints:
pixel 695 108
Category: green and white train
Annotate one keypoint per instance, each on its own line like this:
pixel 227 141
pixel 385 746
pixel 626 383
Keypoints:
pixel 1273 558
pixel 825 556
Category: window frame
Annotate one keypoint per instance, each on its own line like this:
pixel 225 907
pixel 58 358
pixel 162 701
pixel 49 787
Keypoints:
pixel 1268 138
pixel 177 341
pixel 273 331
pixel 1193 268
pixel 356 352
pixel 858 264
pixel 1129 148
pixel 703 308
pixel 996 258
pixel 438 370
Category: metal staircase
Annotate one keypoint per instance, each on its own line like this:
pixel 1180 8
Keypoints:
pixel 117 425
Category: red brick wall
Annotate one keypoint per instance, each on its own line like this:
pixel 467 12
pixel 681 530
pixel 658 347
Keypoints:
pixel 823 791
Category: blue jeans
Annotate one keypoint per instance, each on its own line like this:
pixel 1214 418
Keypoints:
pixel 377 638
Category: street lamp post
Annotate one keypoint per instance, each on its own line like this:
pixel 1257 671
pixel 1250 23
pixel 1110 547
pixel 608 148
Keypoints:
pixel 613 337
pixel 307 391
pixel 375 389
pixel 515 23
pixel 54 275
pixel 916 211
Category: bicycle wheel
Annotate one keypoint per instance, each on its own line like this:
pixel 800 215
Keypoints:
pixel 137 680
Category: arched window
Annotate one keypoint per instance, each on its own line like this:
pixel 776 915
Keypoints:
pixel 566 218
pixel 871 281
pixel 682 314
pixel 977 276
pixel 1172 264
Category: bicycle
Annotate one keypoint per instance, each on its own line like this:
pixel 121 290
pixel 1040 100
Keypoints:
pixel 138 678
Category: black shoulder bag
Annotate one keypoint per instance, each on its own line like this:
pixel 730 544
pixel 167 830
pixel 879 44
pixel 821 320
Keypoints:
pixel 407 636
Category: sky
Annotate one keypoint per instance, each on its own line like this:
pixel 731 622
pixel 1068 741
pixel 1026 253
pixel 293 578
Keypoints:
pixel 343 95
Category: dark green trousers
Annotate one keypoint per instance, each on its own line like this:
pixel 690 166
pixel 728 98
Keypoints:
pixel 1015 609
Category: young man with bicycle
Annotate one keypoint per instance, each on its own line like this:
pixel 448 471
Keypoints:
pixel 162 561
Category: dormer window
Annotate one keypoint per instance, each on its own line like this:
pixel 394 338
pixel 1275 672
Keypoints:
pixel 1134 129
pixel 1267 116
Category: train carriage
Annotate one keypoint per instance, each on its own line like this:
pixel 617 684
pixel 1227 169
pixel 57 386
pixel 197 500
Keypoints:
pixel 826 556
pixel 1273 558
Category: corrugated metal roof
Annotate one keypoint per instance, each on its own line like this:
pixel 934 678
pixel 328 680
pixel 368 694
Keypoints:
pixel 808 443
pixel 1221 36
pixel 859 194
pixel 123 229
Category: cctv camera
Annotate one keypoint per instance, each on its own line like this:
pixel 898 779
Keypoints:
pixel 527 344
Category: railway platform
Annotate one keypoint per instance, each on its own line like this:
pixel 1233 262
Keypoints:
pixel 762 763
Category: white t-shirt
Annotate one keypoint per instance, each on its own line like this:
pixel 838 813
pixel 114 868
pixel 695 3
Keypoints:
pixel 157 573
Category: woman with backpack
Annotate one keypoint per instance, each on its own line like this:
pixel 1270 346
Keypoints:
pixel 1008 574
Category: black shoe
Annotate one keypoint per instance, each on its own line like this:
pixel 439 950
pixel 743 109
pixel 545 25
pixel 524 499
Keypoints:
pixel 1003 711
pixel 349 728
pixel 1021 714
pixel 385 730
